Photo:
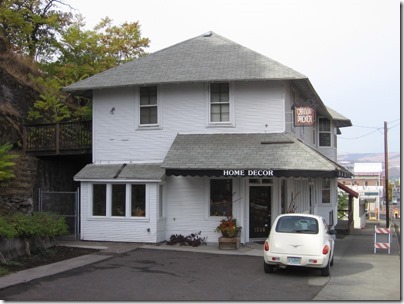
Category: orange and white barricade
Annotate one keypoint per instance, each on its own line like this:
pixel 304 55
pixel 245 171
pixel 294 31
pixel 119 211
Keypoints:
pixel 382 245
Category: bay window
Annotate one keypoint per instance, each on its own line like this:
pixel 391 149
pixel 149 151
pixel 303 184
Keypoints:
pixel 119 200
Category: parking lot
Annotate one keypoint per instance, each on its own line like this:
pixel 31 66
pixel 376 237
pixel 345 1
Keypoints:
pixel 146 274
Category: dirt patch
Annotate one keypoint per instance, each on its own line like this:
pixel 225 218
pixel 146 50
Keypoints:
pixel 43 257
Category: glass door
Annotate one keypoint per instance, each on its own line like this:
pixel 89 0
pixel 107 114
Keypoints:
pixel 260 211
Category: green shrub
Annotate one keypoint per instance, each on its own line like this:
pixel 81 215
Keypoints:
pixel 7 230
pixel 34 226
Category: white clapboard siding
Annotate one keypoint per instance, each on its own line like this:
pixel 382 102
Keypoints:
pixel 258 106
pixel 120 229
pixel 187 208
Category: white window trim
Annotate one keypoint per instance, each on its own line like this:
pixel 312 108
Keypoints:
pixel 325 132
pixel 157 125
pixel 329 189
pixel 207 200
pixel 232 121
pixel 128 198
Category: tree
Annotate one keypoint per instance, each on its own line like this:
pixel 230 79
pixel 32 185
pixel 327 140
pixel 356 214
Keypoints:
pixel 81 54
pixel 6 162
pixel 65 51
pixel 51 107
pixel 32 27
pixel 342 205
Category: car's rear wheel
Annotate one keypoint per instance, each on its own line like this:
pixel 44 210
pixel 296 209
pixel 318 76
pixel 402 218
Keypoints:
pixel 268 268
pixel 325 272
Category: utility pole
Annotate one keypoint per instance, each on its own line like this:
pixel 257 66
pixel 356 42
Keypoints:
pixel 386 175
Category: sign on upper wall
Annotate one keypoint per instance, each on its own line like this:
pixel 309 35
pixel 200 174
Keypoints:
pixel 304 116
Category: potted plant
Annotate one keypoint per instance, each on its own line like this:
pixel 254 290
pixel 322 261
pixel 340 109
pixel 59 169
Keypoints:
pixel 228 227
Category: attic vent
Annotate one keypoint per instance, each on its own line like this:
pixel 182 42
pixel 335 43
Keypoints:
pixel 207 34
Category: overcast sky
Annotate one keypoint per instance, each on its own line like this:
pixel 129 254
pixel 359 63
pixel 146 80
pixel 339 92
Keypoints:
pixel 349 49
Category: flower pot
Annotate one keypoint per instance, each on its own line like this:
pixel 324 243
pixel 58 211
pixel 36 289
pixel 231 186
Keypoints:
pixel 229 243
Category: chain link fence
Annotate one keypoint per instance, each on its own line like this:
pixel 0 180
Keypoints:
pixel 64 203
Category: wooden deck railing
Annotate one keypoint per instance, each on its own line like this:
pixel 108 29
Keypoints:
pixel 61 138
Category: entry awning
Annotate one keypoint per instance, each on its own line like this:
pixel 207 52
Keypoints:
pixel 121 172
pixel 348 190
pixel 259 155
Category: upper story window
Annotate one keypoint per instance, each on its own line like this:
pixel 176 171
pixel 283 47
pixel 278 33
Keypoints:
pixel 148 106
pixel 219 102
pixel 324 132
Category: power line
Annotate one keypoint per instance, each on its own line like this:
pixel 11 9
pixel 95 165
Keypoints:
pixel 377 129
pixel 364 135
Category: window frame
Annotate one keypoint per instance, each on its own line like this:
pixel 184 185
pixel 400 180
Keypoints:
pixel 109 202
pixel 324 189
pixel 231 121
pixel 157 105
pixel 324 132
pixel 208 196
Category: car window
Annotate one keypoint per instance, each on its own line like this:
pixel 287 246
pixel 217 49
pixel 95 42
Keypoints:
pixel 326 228
pixel 297 224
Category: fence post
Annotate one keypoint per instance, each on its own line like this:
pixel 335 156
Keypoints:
pixel 57 137
pixel 77 215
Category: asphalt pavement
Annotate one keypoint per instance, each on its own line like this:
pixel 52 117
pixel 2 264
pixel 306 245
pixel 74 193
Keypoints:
pixel 358 273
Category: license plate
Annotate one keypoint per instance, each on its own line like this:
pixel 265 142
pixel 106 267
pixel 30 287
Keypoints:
pixel 294 261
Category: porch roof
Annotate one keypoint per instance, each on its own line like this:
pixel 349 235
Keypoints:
pixel 279 155
pixel 348 190
pixel 123 172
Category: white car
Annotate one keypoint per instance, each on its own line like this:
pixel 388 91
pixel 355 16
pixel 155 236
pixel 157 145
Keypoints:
pixel 298 239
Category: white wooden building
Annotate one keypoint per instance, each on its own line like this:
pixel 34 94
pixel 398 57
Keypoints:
pixel 199 131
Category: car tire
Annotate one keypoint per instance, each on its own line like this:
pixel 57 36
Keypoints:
pixel 268 268
pixel 325 272
pixel 332 261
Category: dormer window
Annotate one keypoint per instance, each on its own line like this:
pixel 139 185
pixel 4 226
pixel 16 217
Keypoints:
pixel 148 106
pixel 324 132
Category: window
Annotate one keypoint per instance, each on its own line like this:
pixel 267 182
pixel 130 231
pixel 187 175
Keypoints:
pixel 219 102
pixel 118 200
pixel 99 200
pixel 297 224
pixel 138 203
pixel 148 105
pixel 326 191
pixel 221 202
pixel 324 132
pixel 314 135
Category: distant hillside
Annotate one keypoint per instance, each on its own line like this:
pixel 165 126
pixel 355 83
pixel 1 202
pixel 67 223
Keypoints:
pixel 393 161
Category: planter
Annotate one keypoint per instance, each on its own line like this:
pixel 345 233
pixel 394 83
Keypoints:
pixel 229 243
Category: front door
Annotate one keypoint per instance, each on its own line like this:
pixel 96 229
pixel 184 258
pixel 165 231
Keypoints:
pixel 260 211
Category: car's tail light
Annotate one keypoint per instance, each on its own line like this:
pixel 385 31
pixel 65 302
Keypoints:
pixel 326 249
pixel 266 246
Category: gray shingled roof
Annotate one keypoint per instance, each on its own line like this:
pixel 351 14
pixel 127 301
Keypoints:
pixel 203 58
pixel 121 172
pixel 339 119
pixel 246 151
